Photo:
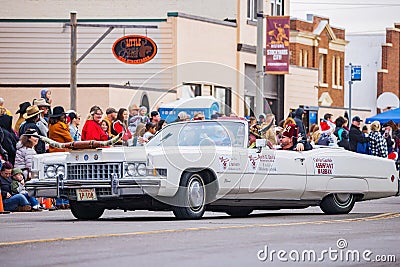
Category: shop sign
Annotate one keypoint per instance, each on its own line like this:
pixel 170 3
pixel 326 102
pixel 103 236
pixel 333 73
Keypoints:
pixel 134 49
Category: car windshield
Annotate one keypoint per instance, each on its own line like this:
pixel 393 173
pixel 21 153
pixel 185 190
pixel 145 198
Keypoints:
pixel 205 133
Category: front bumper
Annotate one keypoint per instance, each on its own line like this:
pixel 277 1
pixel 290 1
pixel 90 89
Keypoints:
pixel 104 188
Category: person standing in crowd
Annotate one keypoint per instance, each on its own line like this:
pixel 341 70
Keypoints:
pixel 355 134
pixel 298 118
pixel 182 116
pixel 377 143
pixel 2 106
pixel 143 115
pixel 75 121
pixel 289 140
pixel 31 117
pixel 8 139
pixel 199 116
pixel 104 126
pixel 26 151
pixel 267 129
pixel 121 125
pixel 111 116
pixel 58 129
pixel 161 124
pixel 155 117
pixel 341 133
pixel 17 202
pixel 133 113
pixel 45 93
pixel 387 133
pixel 21 111
pixel 150 131
pixel 315 133
pixel 43 117
pixel 92 129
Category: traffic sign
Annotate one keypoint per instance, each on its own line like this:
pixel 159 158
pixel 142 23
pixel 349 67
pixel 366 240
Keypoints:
pixel 356 73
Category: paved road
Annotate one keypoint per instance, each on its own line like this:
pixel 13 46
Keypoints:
pixel 157 239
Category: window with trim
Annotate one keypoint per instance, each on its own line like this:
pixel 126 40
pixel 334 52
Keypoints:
pixel 252 10
pixel 322 68
pixel 336 68
pixel 224 95
pixel 248 105
pixel 277 7
pixel 303 60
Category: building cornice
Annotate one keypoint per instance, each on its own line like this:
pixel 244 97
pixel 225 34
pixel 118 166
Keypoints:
pixel 203 19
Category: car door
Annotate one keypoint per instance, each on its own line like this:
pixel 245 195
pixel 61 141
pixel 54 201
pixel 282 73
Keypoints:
pixel 273 174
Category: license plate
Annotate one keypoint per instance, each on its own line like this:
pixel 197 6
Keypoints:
pixel 86 194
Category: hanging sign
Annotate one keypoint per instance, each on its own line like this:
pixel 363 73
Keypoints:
pixel 277 49
pixel 134 49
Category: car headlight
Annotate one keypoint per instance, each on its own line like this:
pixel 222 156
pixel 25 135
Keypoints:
pixel 51 171
pixel 135 169
pixel 141 169
pixel 131 169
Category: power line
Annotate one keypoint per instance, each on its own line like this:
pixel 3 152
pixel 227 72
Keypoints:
pixel 347 4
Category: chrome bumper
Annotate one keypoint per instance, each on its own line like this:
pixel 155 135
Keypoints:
pixel 104 188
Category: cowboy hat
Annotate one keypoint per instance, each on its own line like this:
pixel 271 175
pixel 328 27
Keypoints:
pixel 41 103
pixel 23 107
pixel 58 111
pixel 32 111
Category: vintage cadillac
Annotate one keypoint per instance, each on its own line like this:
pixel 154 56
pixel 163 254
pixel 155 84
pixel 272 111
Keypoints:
pixel 195 166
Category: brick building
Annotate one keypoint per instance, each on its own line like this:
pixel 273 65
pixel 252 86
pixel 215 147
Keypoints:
pixel 316 44
pixel 389 74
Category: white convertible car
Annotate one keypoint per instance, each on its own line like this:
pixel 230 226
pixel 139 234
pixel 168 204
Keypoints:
pixel 195 166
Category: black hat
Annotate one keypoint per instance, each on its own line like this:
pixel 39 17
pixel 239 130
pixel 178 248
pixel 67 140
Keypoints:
pixel 357 119
pixel 154 113
pixel 23 107
pixel 58 111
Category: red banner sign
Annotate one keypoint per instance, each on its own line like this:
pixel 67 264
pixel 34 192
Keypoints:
pixel 134 49
pixel 277 52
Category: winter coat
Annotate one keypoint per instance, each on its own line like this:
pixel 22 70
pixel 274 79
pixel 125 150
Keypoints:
pixel 356 136
pixel 59 132
pixel 24 157
pixel 119 127
pixel 9 142
pixel 5 186
pixel 377 144
pixel 343 137
pixel 92 131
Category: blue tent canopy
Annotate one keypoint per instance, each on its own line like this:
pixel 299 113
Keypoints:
pixel 393 115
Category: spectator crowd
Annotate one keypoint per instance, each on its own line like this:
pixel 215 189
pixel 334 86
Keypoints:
pixel 19 144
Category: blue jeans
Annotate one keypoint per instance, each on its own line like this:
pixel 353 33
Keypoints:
pixel 32 201
pixel 12 203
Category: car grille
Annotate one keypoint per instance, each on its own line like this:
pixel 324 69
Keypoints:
pixel 99 171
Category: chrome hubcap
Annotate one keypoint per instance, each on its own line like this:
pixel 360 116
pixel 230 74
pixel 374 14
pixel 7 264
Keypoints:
pixel 343 199
pixel 196 194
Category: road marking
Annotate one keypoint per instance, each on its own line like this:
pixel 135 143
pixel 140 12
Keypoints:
pixel 383 216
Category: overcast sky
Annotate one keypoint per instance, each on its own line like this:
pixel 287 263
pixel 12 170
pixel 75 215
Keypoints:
pixel 355 16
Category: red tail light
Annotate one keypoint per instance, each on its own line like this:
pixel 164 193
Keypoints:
pixel 392 178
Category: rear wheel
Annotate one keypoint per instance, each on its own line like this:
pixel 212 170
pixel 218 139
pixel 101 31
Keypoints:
pixel 239 212
pixel 341 203
pixel 84 211
pixel 190 198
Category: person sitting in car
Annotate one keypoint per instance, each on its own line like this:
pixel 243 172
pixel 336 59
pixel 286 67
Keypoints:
pixel 289 140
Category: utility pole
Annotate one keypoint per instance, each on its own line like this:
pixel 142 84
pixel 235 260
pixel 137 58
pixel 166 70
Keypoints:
pixel 350 84
pixel 260 59
pixel 73 62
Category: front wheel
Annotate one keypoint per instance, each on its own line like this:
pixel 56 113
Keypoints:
pixel 86 211
pixel 341 203
pixel 190 198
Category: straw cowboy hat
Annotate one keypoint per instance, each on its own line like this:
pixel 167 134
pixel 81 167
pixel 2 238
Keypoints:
pixel 32 111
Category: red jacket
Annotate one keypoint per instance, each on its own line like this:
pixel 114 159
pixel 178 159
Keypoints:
pixel 92 131
pixel 119 127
